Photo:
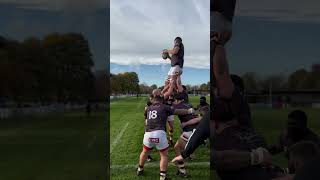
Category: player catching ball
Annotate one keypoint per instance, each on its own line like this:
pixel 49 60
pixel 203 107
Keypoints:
pixel 177 58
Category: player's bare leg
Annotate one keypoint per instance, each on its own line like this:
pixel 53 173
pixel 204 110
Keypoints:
pixel 178 148
pixel 163 164
pixel 174 79
pixel 143 156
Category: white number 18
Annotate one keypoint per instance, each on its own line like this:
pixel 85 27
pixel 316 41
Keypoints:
pixel 153 114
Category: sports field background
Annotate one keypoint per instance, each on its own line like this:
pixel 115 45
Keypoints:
pixel 126 134
pixel 127 114
pixel 67 146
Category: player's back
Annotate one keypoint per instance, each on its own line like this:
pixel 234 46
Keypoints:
pixel 157 115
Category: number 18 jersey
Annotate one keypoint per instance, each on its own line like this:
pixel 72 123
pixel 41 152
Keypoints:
pixel 157 115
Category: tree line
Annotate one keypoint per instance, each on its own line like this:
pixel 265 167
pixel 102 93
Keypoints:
pixel 300 79
pixel 128 83
pixel 56 68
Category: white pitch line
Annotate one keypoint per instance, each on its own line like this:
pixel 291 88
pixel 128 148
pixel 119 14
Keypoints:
pixel 115 142
pixel 156 164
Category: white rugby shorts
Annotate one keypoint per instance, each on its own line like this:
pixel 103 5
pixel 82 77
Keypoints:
pixel 155 139
pixel 176 70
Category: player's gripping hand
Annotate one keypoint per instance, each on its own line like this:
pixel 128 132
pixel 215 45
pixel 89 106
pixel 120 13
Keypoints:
pixel 260 156
pixel 193 111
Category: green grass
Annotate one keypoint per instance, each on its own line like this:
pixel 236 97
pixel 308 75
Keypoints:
pixel 67 146
pixel 125 151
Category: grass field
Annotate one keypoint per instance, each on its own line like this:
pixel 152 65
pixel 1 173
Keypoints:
pixel 126 144
pixel 66 146
pixel 126 134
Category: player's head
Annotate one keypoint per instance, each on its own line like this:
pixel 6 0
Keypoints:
pixel 150 97
pixel 300 153
pixel 156 92
pixel 177 40
pixel 297 124
pixel 237 81
pixel 157 99
pixel 203 100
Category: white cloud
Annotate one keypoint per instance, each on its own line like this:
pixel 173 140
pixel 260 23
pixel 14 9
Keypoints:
pixel 141 29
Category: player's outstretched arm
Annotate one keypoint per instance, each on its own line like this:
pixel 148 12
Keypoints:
pixel 166 87
pixel 221 72
pixel 183 111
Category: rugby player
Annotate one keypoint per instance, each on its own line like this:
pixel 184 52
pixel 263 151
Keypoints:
pixel 187 130
pixel 203 106
pixel 177 58
pixel 155 133
pixel 295 131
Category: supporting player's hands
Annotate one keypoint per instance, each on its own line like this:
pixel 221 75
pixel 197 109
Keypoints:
pixel 191 111
pixel 260 156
